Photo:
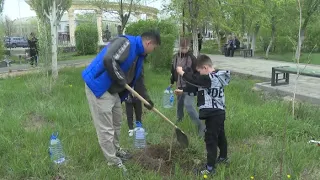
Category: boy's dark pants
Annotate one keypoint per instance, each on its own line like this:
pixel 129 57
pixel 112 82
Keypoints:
pixel 137 106
pixel 215 137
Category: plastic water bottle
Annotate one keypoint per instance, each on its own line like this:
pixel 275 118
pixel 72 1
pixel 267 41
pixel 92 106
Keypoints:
pixel 168 98
pixel 55 149
pixel 140 138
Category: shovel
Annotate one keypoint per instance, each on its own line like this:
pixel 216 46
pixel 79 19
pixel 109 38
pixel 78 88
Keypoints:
pixel 181 136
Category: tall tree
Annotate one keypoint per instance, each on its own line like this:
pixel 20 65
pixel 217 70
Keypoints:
pixel 275 13
pixel 124 10
pixel 310 8
pixel 51 11
pixel 1 5
pixel 194 7
pixel 8 26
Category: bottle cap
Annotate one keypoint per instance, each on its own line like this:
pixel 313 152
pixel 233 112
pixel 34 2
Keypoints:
pixel 138 124
pixel 54 136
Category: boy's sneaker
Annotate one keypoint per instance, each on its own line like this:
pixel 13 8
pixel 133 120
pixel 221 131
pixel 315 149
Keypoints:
pixel 123 155
pixel 205 171
pixel 208 172
pixel 131 132
pixel 223 161
pixel 119 165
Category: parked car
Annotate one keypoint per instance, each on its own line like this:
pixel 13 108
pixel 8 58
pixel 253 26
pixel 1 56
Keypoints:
pixel 14 42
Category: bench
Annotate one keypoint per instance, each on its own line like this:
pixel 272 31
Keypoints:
pixel 243 50
pixel 6 62
pixel 246 52
pixel 286 70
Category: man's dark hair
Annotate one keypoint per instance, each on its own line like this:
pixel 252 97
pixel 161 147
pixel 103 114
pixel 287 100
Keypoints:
pixel 204 60
pixel 152 35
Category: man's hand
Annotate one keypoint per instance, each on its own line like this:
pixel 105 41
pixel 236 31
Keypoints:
pixel 180 70
pixel 178 92
pixel 150 106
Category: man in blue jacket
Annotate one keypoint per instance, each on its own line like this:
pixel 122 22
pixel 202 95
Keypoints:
pixel 118 64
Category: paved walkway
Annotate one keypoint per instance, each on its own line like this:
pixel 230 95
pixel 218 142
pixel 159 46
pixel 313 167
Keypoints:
pixel 308 88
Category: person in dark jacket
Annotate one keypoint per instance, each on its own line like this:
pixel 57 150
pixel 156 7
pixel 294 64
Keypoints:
pixel 134 104
pixel 32 41
pixel 233 44
pixel 117 64
pixel 187 61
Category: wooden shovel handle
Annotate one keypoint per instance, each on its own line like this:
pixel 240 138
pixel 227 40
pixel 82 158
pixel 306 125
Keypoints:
pixel 146 103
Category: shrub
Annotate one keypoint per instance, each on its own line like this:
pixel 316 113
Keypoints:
pixel 210 47
pixel 162 56
pixel 86 36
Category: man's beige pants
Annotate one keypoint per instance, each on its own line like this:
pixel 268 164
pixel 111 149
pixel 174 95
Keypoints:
pixel 106 113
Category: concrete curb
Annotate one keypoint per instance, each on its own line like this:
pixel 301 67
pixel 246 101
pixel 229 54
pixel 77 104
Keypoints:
pixel 21 72
pixel 266 86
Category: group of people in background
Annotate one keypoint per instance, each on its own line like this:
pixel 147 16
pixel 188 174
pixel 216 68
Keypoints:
pixel 189 76
pixel 231 45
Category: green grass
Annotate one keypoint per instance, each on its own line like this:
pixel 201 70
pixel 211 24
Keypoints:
pixel 210 47
pixel 313 58
pixel 30 112
pixel 61 57
pixel 73 56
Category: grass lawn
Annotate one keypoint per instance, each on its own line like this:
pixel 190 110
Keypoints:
pixel 61 57
pixel 73 56
pixel 314 58
pixel 29 113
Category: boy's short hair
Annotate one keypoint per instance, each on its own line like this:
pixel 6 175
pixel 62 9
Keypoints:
pixel 184 42
pixel 152 35
pixel 203 60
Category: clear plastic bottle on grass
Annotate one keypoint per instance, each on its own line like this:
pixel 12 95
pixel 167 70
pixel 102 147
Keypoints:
pixel 140 136
pixel 55 149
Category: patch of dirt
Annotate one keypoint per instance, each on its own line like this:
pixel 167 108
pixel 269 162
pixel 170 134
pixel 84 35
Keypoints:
pixel 35 121
pixel 310 174
pixel 155 158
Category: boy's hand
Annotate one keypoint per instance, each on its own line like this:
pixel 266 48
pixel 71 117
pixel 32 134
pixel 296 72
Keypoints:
pixel 178 92
pixel 180 70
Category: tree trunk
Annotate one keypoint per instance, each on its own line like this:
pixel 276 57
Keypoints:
pixel 269 46
pixel 253 42
pixel 218 39
pixel 273 32
pixel 54 47
pixel 300 42
pixel 195 42
pixel 243 17
pixel 183 23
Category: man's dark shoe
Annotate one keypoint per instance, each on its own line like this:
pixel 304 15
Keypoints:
pixel 123 155
pixel 224 161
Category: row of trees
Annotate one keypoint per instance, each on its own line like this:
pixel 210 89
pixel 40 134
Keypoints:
pixel 49 13
pixel 1 33
pixel 268 21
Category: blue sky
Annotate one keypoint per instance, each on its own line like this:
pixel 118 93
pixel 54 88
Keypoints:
pixel 11 7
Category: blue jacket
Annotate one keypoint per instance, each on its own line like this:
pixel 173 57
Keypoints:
pixel 97 78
